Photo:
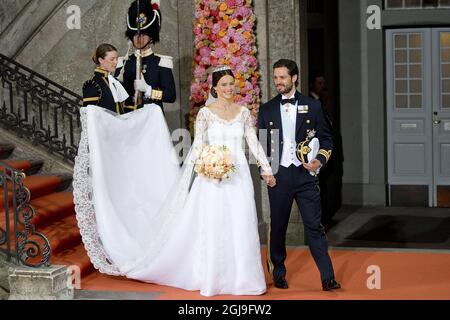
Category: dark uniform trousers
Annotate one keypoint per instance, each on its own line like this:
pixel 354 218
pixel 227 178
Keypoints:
pixel 295 183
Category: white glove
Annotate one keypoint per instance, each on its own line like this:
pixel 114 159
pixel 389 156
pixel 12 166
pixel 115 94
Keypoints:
pixel 142 86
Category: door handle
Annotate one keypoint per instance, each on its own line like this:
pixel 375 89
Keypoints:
pixel 436 120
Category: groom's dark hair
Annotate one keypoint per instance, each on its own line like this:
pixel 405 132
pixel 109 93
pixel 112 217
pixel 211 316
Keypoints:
pixel 291 66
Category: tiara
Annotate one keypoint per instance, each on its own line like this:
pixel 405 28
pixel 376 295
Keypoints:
pixel 222 68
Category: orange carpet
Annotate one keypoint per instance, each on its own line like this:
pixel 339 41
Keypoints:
pixel 404 275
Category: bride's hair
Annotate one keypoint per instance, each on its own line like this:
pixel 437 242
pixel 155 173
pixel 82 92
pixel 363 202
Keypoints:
pixel 216 76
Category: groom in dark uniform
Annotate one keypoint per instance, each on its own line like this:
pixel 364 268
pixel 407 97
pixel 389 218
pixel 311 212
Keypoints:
pixel 157 83
pixel 295 118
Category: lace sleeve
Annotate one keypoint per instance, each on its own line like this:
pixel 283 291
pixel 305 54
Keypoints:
pixel 201 126
pixel 253 143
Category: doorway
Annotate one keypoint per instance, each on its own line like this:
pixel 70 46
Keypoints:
pixel 418 116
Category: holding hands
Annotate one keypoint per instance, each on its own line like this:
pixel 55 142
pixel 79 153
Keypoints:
pixel 269 179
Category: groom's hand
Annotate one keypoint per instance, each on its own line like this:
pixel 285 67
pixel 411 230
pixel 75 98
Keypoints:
pixel 270 180
pixel 313 165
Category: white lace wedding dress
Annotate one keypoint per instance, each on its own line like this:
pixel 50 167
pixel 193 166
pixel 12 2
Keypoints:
pixel 202 236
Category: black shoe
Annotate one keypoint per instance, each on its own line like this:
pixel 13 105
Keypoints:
pixel 281 283
pixel 330 284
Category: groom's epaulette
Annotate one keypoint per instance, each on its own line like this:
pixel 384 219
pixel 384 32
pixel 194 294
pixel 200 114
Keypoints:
pixel 92 92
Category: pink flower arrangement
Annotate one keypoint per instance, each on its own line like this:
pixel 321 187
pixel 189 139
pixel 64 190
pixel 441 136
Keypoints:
pixel 223 31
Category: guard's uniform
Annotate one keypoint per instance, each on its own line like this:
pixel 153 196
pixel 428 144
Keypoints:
pixel 157 72
pixel 144 18
pixel 97 92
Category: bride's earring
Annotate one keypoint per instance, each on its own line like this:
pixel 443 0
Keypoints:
pixel 214 92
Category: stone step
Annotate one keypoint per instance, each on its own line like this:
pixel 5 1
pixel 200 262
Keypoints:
pixel 40 186
pixel 29 167
pixel 6 149
pixel 44 185
pixel 66 181
pixel 52 207
pixel 63 234
pixel 48 209
pixel 74 256
pixel 4 295
pixel 114 295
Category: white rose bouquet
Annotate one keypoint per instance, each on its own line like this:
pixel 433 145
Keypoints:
pixel 215 162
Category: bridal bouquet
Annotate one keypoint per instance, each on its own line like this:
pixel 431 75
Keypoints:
pixel 215 162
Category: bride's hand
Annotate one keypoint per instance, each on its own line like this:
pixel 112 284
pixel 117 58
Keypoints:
pixel 270 180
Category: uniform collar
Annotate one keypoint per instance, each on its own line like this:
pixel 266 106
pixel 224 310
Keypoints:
pixel 146 52
pixel 104 73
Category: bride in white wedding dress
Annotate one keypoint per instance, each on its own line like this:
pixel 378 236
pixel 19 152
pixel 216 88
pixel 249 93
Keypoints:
pixel 143 218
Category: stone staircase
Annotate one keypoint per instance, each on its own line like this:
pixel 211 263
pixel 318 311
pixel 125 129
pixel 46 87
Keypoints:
pixel 52 199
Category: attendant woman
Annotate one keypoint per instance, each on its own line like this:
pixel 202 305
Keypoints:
pixel 103 89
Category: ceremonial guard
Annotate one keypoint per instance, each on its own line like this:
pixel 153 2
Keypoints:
pixel 146 76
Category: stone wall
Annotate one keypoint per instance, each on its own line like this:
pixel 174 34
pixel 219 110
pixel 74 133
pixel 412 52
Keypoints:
pixel 9 10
